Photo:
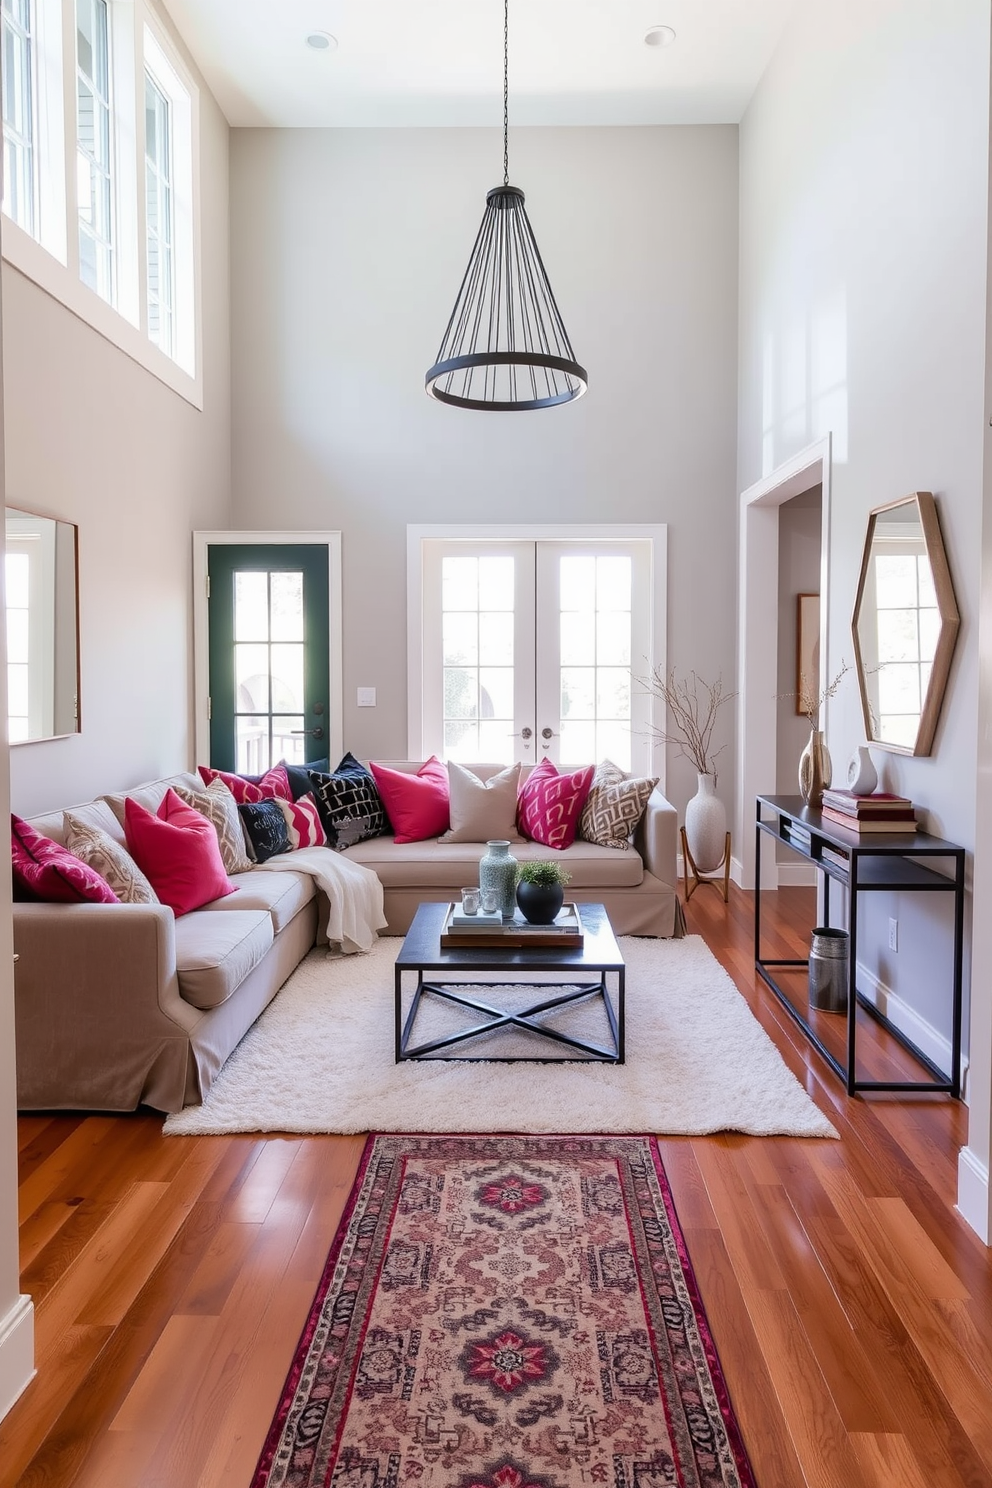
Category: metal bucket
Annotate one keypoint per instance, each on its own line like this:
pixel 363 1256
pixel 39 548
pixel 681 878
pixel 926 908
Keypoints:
pixel 828 970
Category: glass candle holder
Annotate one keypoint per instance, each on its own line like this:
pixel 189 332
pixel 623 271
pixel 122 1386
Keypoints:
pixel 470 900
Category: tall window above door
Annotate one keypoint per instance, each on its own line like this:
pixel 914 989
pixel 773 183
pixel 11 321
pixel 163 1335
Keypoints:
pixel 531 645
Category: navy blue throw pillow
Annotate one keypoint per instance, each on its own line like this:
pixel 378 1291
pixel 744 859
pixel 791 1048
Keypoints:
pixel 299 775
pixel 349 803
pixel 268 833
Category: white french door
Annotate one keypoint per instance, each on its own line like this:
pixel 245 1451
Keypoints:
pixel 534 649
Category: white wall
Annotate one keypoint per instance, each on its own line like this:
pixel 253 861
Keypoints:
pixel 93 438
pixel 864 178
pixel 349 247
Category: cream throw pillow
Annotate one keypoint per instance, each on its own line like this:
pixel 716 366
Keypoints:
pixel 481 810
pixel 108 858
pixel 614 806
pixel 217 804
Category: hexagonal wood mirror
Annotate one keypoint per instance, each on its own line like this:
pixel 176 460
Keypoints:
pixel 905 625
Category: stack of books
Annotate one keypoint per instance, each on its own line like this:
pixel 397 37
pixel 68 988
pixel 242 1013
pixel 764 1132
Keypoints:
pixel 480 931
pixel 881 812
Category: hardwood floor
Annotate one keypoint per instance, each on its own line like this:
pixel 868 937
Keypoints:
pixel 851 1306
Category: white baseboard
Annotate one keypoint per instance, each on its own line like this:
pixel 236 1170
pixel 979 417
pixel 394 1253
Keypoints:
pixel 16 1352
pixel 929 1040
pixel 973 1192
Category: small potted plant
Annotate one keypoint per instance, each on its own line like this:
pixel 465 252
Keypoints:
pixel 541 890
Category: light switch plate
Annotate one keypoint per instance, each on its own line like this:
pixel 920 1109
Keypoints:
pixel 366 697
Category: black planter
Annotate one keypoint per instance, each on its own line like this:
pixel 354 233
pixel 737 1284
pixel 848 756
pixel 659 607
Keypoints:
pixel 539 904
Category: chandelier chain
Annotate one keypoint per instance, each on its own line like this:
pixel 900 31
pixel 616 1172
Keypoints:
pixel 506 92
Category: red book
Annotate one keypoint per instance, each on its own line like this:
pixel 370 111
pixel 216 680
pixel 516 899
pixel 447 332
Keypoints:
pixel 887 822
pixel 853 805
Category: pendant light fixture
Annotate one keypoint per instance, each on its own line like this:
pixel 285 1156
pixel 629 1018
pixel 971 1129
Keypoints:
pixel 506 346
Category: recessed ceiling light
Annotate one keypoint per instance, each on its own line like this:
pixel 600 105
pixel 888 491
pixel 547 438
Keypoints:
pixel 322 41
pixel 659 36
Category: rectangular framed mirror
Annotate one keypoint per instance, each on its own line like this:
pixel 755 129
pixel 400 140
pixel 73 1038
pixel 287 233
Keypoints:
pixel 905 625
pixel 41 577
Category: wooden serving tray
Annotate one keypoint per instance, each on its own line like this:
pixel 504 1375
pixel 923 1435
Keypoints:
pixel 514 935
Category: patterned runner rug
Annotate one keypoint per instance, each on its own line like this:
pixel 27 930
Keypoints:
pixel 506 1312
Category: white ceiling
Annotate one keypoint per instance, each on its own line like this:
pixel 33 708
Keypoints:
pixel 409 63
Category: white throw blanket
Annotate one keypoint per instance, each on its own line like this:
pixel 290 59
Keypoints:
pixel 353 892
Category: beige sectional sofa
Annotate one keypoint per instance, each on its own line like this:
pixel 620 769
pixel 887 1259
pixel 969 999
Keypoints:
pixel 119 1005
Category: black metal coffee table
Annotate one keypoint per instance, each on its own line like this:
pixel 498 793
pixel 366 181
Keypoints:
pixel 599 956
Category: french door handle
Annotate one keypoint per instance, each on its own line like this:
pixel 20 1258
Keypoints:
pixel 525 733
pixel 314 733
pixel 548 733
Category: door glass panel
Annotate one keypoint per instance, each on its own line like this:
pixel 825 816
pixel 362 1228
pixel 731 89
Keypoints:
pixel 251 675
pixel 287 606
pixel 461 638
pixel 578 743
pixel 287 679
pixel 477 629
pixel 288 739
pixel 496 640
pixel 595 626
pixel 578 584
pixel 578 692
pixel 251 607
pixel 461 740
pixel 252 744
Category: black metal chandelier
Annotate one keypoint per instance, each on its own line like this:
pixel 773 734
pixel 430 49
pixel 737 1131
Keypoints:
pixel 506 346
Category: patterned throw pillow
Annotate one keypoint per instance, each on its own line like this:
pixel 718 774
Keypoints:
pixel 349 803
pixel 46 870
pixel 303 823
pixel 266 828
pixel 113 862
pixel 549 804
pixel 274 783
pixel 614 806
pixel 218 805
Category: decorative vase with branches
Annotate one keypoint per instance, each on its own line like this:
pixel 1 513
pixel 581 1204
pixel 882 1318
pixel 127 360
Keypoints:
pixel 693 707
pixel 815 765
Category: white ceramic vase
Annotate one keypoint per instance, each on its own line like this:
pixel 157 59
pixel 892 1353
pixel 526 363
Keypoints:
pixel 706 825
pixel 862 777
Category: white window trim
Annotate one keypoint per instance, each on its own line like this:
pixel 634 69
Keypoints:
pixel 417 535
pixel 53 263
pixel 202 541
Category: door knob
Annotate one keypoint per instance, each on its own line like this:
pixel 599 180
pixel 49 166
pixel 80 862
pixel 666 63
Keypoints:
pixel 548 733
pixel 525 733
pixel 314 733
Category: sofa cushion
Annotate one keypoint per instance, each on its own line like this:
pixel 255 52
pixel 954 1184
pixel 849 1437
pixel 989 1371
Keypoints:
pixel 417 805
pixel 349 803
pixel 216 803
pixel 614 806
pixel 43 869
pixel 91 813
pixel 266 829
pixel 550 804
pixel 110 859
pixel 216 951
pixel 282 895
pixel 246 788
pixel 449 865
pixel 177 848
pixel 150 795
pixel 480 810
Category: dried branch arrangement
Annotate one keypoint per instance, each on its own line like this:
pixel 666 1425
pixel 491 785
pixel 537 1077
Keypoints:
pixel 692 706
pixel 810 703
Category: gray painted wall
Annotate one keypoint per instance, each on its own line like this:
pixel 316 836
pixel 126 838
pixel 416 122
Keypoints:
pixel 349 250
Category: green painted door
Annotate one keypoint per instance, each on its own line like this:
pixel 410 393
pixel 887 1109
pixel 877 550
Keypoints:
pixel 269 654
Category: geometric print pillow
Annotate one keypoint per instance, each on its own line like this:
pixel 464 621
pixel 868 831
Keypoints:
pixel 245 788
pixel 303 823
pixel 221 809
pixel 550 804
pixel 614 806
pixel 110 859
pixel 349 803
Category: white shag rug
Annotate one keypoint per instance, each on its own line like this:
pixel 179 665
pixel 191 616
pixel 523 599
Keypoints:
pixel 320 1059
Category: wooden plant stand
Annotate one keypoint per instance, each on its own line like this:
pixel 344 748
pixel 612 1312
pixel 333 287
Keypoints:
pixel 692 878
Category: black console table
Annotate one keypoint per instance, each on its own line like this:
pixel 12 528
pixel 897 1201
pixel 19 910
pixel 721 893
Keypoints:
pixel 860 864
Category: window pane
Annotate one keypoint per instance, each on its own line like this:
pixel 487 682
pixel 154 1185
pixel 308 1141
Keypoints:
pixel 460 584
pixel 895 581
pixel 612 692
pixel 495 640
pixel 252 745
pixel 613 638
pixel 460 693
pixel 288 739
pixel 578 743
pixel 496 584
pixel 898 637
pixel 578 638
pixel 287 679
pixel 251 606
pixel 17 635
pixel 460 638
pixel 251 676
pixel 496 693
pixel 613 583
pixel 18 113
pixel 899 689
pixel 17 690
pixel 613 743
pixel 461 740
pixel 578 583
pixel 287 606
pixel 17 571
pixel 578 692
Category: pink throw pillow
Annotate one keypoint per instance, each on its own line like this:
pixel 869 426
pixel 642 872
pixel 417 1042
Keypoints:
pixel 549 805
pixel 417 805
pixel 303 823
pixel 274 784
pixel 44 869
pixel 178 852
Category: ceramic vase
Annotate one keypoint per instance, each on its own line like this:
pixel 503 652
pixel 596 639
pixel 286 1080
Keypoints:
pixel 540 903
pixel 706 825
pixel 815 769
pixel 498 870
pixel 862 777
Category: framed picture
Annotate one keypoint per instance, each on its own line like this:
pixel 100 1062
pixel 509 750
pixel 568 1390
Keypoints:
pixel 807 649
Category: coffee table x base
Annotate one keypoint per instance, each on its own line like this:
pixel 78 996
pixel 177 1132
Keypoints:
pixel 571 967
